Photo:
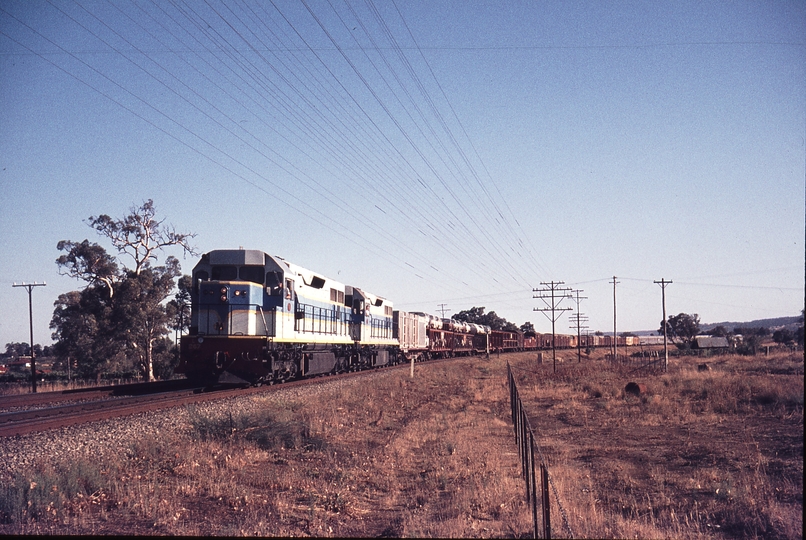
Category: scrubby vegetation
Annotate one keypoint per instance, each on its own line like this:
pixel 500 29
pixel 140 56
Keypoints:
pixel 714 452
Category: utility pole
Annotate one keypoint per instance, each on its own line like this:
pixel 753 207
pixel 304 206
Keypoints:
pixel 30 287
pixel 615 345
pixel 556 294
pixel 579 318
pixel 663 284
pixel 443 309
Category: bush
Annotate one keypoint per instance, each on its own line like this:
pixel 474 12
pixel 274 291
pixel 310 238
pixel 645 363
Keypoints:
pixel 44 492
pixel 260 428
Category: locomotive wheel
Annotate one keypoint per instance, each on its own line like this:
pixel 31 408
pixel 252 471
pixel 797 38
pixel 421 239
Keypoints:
pixel 340 366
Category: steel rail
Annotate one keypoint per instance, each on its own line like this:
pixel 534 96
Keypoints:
pixel 9 401
pixel 28 421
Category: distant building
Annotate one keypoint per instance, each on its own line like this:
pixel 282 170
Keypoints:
pixel 710 343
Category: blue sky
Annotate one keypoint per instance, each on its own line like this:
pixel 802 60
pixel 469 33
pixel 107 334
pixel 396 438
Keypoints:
pixel 457 153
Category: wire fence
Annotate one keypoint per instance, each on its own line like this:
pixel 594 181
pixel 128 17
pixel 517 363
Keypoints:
pixel 531 469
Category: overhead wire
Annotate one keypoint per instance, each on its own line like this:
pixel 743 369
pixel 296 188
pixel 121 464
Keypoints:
pixel 530 250
pixel 489 239
pixel 384 253
pixel 398 125
pixel 395 149
pixel 345 152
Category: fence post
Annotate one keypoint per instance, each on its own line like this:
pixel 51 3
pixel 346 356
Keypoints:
pixel 544 474
pixel 533 483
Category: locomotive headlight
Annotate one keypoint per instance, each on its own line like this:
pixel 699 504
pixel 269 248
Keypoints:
pixel 223 297
pixel 223 290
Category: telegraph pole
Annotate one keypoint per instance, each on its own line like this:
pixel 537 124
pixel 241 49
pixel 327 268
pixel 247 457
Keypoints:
pixel 30 287
pixel 615 345
pixel 556 293
pixel 663 284
pixel 443 309
pixel 579 318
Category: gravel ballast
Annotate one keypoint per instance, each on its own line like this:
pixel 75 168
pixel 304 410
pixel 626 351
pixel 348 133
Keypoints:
pixel 96 440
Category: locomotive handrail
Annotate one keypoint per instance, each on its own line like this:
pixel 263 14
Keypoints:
pixel 263 316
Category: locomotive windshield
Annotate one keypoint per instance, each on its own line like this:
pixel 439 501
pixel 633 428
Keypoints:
pixel 251 273
pixel 225 273
pixel 228 272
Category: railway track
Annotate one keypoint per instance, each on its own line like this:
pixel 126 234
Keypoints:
pixel 41 419
pixel 9 402
pixel 96 404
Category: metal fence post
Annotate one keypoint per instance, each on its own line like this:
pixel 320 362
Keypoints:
pixel 533 483
pixel 544 474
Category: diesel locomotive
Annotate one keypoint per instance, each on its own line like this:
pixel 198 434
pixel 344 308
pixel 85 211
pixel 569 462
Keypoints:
pixel 257 318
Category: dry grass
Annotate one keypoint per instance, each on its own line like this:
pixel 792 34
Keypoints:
pixel 714 453
pixel 706 453
pixel 387 456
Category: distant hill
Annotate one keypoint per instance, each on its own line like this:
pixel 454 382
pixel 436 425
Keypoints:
pixel 771 324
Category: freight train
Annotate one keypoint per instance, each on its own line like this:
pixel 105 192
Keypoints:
pixel 259 319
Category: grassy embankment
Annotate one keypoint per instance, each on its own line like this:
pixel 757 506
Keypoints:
pixel 715 453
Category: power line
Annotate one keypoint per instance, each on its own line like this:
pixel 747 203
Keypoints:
pixel 30 287
pixel 579 318
pixel 552 295
pixel 227 49
pixel 663 284
pixel 615 336
pixel 442 309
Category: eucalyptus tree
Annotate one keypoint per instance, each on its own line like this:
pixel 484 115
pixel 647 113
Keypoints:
pixel 682 329
pixel 134 315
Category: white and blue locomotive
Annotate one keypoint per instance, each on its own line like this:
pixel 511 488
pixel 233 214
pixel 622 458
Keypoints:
pixel 256 319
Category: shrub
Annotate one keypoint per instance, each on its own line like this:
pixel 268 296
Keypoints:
pixel 260 428
pixel 44 492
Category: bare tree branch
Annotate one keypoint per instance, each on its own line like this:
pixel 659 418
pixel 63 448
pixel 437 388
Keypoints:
pixel 140 235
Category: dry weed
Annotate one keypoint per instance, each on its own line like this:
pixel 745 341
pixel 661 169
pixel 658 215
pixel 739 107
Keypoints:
pixel 698 454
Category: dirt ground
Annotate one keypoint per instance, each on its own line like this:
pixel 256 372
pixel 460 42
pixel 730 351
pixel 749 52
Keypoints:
pixel 715 450
pixel 697 454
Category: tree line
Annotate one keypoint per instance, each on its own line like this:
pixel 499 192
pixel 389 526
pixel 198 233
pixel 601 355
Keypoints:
pixel 683 328
pixel 477 315
pixel 122 318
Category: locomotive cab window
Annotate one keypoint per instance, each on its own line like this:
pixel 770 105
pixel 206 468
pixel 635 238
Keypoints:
pixel 289 288
pixel 225 273
pixel 274 282
pixel 251 273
